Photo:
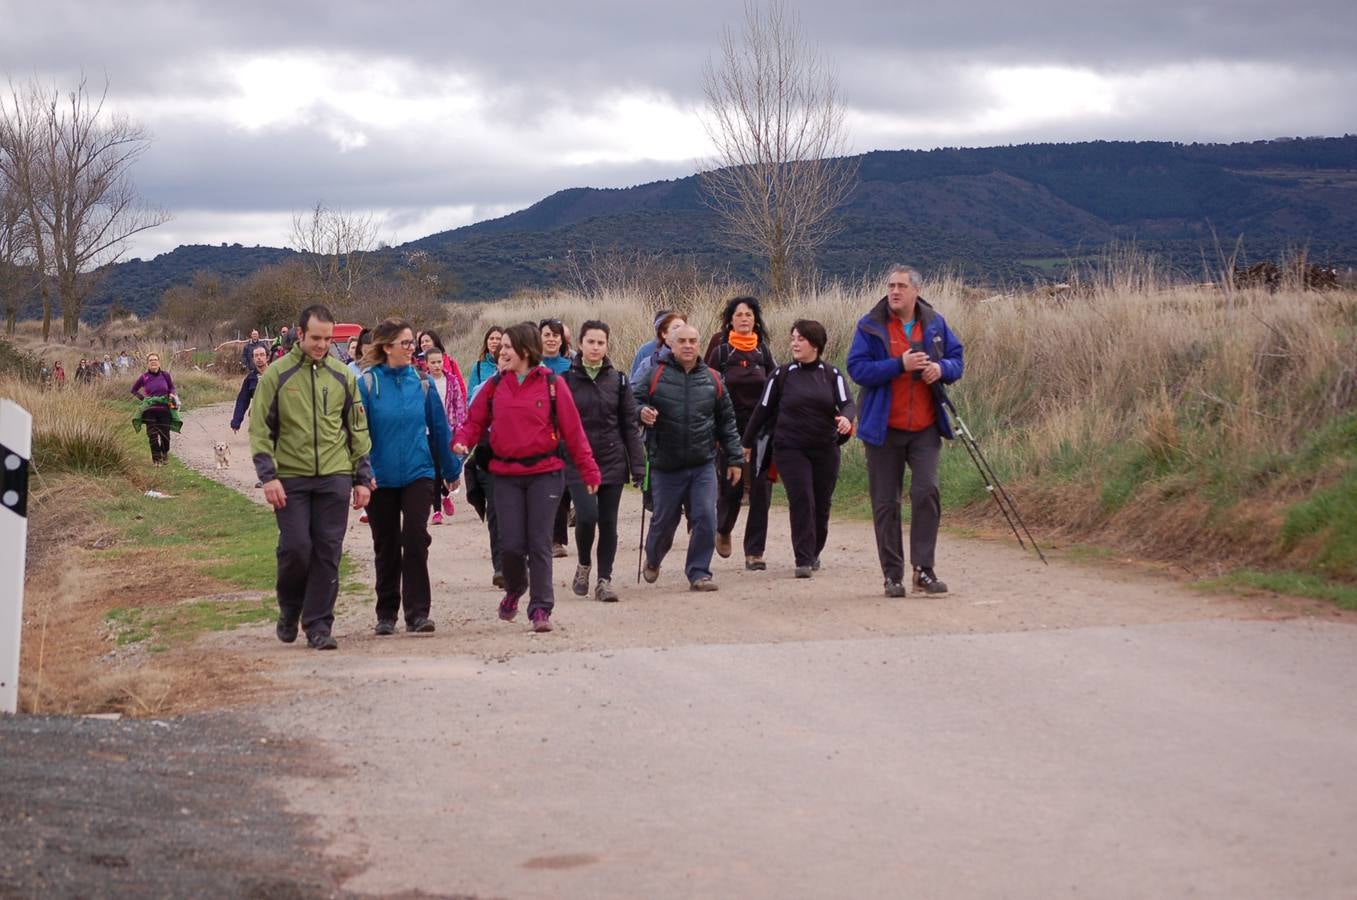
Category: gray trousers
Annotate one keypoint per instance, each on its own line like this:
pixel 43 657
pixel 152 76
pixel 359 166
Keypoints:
pixel 886 464
pixel 526 507
pixel 310 540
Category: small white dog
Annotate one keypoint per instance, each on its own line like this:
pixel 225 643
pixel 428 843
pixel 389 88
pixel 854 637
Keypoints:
pixel 223 453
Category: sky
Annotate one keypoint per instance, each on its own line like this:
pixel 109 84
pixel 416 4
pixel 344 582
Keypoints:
pixel 434 115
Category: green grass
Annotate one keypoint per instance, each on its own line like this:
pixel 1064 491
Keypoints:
pixel 1295 584
pixel 179 624
pixel 1331 515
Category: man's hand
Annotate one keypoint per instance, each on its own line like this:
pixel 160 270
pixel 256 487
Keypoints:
pixel 361 496
pixel 932 372
pixel 748 454
pixel 648 415
pixel 459 449
pixel 914 361
pixel 733 474
pixel 842 425
pixel 274 494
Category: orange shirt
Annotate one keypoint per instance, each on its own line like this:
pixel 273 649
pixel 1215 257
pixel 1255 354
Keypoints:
pixel 911 400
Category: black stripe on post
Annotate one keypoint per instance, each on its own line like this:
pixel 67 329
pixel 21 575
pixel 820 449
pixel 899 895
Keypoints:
pixel 13 481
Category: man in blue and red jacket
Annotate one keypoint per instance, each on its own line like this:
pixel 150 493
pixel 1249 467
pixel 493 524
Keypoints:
pixel 900 350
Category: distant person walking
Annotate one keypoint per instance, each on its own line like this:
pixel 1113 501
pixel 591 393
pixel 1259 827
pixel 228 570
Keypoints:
pixel 689 413
pixel 487 363
pixel 901 348
pixel 530 414
pixel 739 353
pixel 644 351
pixel 411 445
pixel 309 438
pixel 247 351
pixel 607 410
pixel 805 414
pixel 556 357
pixel 259 364
pixel 155 389
pixel 661 350
pixel 480 485
pixel 453 401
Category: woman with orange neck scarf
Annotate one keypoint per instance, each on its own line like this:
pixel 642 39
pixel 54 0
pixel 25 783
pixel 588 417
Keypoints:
pixel 739 354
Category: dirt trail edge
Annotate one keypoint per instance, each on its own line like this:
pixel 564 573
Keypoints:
pixel 1039 729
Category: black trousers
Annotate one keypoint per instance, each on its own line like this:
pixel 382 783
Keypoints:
pixel 310 540
pixel 560 527
pixel 919 450
pixel 526 505
pixel 399 519
pixel 473 472
pixel 728 499
pixel 158 432
pixel 595 513
pixel 808 476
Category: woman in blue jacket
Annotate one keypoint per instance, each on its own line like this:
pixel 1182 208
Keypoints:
pixel 408 425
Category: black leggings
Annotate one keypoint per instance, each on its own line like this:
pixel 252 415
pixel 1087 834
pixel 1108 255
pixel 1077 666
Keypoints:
pixel 158 432
pixel 597 510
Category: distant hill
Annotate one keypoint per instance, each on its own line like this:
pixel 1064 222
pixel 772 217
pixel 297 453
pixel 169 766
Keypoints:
pixel 997 213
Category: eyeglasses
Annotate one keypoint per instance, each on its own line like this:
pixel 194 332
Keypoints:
pixel 408 345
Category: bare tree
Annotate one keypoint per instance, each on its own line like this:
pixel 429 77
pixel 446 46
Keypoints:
pixel 16 270
pixel 21 132
pixel 774 115
pixel 336 243
pixel 73 163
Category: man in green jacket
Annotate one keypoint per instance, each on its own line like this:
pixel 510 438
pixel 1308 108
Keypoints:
pixel 309 440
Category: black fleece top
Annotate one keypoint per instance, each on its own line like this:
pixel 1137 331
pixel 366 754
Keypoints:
pixel 805 398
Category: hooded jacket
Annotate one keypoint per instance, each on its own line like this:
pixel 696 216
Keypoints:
pixel 406 423
pixel 872 366
pixel 307 420
pixel 608 412
pixel 695 415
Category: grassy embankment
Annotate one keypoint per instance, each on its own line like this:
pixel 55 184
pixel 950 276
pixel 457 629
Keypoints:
pixel 1213 430
pixel 113 572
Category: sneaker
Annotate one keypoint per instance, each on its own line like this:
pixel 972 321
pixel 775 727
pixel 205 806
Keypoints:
pixel 926 581
pixel 651 573
pixel 603 591
pixel 702 584
pixel 508 607
pixel 558 551
pixel 723 545
pixel 803 571
pixel 541 620
pixel 322 640
pixel 286 630
pixel 438 518
pixel 421 625
pixel 448 509
pixel 363 518
pixel 384 627
pixel 755 563
pixel 581 583
pixel 498 580
pixel 894 588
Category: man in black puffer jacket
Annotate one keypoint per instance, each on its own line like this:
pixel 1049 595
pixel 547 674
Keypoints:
pixel 689 413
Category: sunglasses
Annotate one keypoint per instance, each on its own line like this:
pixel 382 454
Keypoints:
pixel 554 323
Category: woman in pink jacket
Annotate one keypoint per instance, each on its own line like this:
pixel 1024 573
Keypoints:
pixel 530 415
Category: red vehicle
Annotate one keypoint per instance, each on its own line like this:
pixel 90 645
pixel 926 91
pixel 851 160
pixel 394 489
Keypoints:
pixel 339 342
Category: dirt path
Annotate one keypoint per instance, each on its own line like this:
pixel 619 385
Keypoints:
pixel 661 747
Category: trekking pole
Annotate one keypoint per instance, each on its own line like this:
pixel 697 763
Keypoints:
pixel 992 483
pixel 641 546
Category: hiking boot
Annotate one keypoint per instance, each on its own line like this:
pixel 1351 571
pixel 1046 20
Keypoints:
pixel 421 625
pixel 926 581
pixel 498 580
pixel 894 588
pixel 651 573
pixel 321 640
pixel 384 627
pixel 723 545
pixel 815 564
pixel 286 630
pixel 508 607
pixel 541 620
pixel 259 484
pixel 448 509
pixel 437 518
pixel 603 591
pixel 803 571
pixel 581 583
pixel 702 584
pixel 755 563
pixel 558 551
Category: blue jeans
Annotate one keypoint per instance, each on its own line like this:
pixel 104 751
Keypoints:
pixel 669 491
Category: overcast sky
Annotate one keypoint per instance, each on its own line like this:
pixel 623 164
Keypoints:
pixel 438 114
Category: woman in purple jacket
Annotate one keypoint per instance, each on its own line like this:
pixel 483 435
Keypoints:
pixel 155 382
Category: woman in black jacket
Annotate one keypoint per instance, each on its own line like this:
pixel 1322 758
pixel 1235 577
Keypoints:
pixel 807 413
pixel 608 412
pixel 739 354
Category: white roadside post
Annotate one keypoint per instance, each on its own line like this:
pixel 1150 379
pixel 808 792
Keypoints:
pixel 16 448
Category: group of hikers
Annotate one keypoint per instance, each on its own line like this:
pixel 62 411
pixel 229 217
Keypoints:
pixel 545 427
pixel 89 369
